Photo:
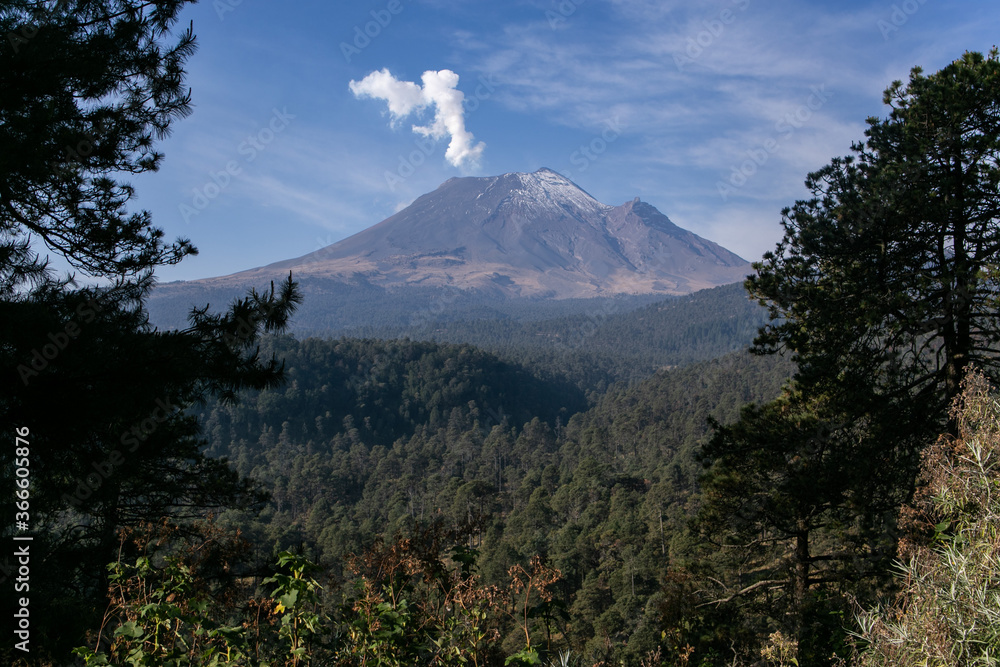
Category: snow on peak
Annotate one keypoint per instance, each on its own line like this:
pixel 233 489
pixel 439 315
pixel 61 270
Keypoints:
pixel 548 189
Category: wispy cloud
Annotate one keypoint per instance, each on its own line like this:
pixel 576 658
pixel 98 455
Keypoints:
pixel 748 65
pixel 439 90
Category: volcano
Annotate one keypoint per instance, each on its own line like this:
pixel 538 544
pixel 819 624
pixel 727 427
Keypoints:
pixel 533 235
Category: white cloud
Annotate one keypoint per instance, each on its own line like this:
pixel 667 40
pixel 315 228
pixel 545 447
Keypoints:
pixel 403 97
pixel 440 90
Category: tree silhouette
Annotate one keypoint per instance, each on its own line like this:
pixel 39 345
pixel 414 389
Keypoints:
pixel 87 89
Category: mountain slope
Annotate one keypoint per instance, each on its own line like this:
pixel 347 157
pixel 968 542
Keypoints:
pixel 517 235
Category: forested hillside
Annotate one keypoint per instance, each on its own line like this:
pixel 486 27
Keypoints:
pixel 459 439
pixel 610 338
pixel 357 307
pixel 581 337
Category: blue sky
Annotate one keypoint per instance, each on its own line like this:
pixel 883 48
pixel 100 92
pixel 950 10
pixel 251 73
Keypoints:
pixel 714 112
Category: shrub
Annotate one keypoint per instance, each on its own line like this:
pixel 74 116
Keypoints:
pixel 948 611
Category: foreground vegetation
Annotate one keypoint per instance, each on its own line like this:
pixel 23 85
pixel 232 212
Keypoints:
pixel 423 600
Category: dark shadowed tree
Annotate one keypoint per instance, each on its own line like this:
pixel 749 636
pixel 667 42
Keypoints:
pixel 884 292
pixel 86 88
pixel 883 287
pixel 793 520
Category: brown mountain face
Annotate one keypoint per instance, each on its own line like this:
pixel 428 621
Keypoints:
pixel 521 235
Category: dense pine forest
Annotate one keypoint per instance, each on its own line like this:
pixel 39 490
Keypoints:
pixel 796 470
pixel 603 495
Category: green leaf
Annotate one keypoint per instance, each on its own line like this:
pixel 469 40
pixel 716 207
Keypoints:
pixel 289 599
pixel 129 629
pixel 526 656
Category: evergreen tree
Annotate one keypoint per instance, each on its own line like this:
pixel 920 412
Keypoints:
pixel 87 88
pixel 883 286
pixel 883 290
pixel 793 521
